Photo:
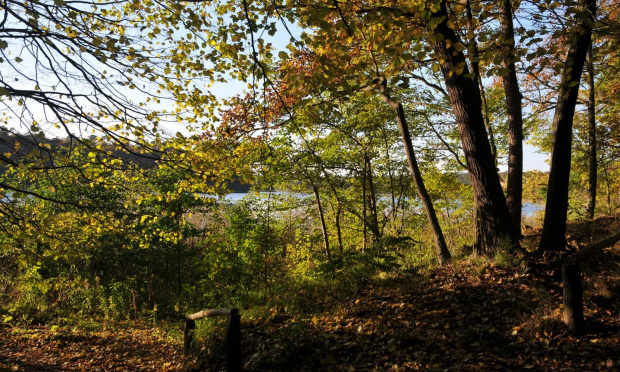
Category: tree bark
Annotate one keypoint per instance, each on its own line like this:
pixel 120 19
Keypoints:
pixel 514 188
pixel 607 189
pixel 374 219
pixel 391 176
pixel 339 230
pixel 493 224
pixel 315 190
pixel 487 120
pixel 593 166
pixel 554 226
pixel 364 212
pixel 441 248
pixel 475 67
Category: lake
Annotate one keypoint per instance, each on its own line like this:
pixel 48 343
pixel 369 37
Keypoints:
pixel 528 210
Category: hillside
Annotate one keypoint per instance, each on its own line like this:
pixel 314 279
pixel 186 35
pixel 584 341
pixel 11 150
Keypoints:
pixel 472 315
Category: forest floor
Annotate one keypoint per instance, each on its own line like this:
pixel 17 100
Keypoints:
pixel 474 314
pixel 45 348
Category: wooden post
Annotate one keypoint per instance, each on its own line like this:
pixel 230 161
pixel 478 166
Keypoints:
pixel 573 297
pixel 188 335
pixel 233 334
pixel 233 342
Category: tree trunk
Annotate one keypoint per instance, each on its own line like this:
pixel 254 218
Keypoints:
pixel 607 189
pixel 179 242
pixel 391 177
pixel 486 117
pixel 374 220
pixel 339 230
pixel 266 247
pixel 364 214
pixel 322 219
pixel 554 226
pixel 592 177
pixel 493 224
pixel 475 67
pixel 441 248
pixel 514 188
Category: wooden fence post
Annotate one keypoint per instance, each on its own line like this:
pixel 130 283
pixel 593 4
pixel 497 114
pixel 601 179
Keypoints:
pixel 233 334
pixel 233 342
pixel 188 335
pixel 573 297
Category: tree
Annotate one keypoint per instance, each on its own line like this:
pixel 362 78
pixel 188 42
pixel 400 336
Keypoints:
pixel 65 66
pixel 554 227
pixel 100 75
pixel 514 187
pixel 593 161
pixel 374 56
pixel 492 222
pixel 441 248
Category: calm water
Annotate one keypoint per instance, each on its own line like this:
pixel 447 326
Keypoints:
pixel 529 209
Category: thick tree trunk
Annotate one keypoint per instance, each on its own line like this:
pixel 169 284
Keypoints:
pixel 592 177
pixel 554 226
pixel 514 188
pixel 475 67
pixel 493 223
pixel 441 248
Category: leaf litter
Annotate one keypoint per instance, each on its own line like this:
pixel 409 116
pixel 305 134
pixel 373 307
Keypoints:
pixel 462 317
